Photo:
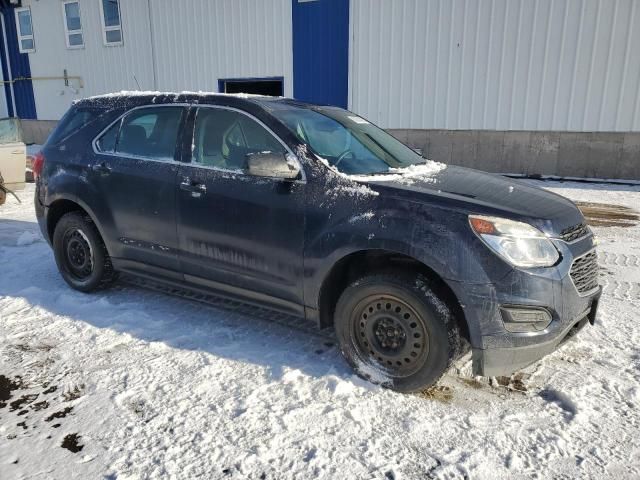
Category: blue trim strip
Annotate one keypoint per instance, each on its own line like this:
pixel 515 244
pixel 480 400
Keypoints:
pixel 25 106
pixel 321 51
pixel 5 75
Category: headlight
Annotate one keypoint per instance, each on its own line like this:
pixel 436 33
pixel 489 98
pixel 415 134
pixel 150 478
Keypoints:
pixel 520 244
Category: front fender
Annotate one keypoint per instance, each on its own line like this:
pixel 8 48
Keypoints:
pixel 434 236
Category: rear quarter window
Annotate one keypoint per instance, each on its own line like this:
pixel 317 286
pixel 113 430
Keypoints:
pixel 75 119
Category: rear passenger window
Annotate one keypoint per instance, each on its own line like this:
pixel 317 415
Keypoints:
pixel 147 132
pixel 74 120
pixel 150 133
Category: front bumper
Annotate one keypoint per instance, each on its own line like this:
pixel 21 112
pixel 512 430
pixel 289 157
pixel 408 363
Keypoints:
pixel 493 362
pixel 498 352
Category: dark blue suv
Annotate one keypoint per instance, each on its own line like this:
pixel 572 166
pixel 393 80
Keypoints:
pixel 314 211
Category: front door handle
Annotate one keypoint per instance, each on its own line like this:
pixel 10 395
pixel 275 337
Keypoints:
pixel 101 168
pixel 197 189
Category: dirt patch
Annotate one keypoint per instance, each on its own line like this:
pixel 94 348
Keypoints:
pixel 23 347
pixel 71 443
pixel 471 382
pixel 49 390
pixel 514 383
pixel 61 414
pixel 605 215
pixel 7 386
pixel 74 393
pixel 23 400
pixel 40 405
pixel 441 393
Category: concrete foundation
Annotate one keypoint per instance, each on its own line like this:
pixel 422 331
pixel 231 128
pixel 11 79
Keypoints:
pixel 36 131
pixel 566 154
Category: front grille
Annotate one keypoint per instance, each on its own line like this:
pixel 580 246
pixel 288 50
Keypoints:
pixel 573 233
pixel 584 273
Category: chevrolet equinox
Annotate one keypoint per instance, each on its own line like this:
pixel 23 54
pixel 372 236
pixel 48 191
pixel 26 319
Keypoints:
pixel 314 211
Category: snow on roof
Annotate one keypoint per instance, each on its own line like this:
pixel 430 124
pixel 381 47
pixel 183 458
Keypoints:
pixel 148 93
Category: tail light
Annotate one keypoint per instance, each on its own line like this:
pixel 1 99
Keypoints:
pixel 38 164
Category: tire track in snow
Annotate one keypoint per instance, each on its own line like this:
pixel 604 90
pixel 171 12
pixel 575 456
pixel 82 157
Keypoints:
pixel 620 289
pixel 619 259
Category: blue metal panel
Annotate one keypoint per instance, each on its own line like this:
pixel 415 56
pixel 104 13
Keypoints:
pixel 25 106
pixel 321 51
pixel 5 73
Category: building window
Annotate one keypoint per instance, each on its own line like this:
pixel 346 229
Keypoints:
pixel 273 86
pixel 111 24
pixel 72 24
pixel 24 27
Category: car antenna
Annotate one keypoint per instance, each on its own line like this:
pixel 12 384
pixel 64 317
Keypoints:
pixel 134 77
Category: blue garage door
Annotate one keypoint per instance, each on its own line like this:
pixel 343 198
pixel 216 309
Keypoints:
pixel 321 51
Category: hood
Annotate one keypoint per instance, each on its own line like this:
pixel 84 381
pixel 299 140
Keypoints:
pixel 482 193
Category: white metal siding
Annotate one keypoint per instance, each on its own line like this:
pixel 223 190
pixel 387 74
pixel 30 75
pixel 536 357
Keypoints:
pixel 497 64
pixel 195 43
pixel 103 69
pixel 201 41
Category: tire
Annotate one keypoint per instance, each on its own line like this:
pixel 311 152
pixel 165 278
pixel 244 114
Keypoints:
pixel 395 331
pixel 80 253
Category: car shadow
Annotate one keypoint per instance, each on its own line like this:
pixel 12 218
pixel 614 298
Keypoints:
pixel 29 273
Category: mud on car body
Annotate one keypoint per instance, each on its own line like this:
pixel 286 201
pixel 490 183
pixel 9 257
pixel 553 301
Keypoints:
pixel 312 210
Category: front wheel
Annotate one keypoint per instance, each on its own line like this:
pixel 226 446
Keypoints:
pixel 396 332
pixel 80 253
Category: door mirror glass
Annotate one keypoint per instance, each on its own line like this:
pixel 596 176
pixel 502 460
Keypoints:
pixel 274 165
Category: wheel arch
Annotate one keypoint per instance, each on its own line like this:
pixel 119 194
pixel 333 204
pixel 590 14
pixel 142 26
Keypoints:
pixel 63 205
pixel 364 262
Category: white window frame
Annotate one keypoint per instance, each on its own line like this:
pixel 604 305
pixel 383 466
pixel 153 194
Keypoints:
pixel 25 37
pixel 68 32
pixel 111 28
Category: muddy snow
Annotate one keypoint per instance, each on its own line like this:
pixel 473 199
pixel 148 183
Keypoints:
pixel 131 383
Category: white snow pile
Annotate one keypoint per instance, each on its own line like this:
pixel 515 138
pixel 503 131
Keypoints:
pixel 132 383
pixel 27 238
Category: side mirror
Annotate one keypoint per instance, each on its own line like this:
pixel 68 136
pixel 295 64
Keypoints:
pixel 274 165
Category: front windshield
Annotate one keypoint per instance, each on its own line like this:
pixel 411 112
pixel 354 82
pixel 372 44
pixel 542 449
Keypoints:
pixel 348 142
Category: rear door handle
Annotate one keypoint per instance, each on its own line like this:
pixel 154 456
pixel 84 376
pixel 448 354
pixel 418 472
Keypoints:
pixel 196 189
pixel 101 168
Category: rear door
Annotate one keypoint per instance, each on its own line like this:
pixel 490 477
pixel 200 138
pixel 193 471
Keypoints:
pixel 239 233
pixel 134 173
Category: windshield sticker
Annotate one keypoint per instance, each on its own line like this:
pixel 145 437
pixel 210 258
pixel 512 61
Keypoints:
pixel 358 120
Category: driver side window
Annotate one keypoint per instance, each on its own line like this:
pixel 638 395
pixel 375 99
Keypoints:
pixel 223 139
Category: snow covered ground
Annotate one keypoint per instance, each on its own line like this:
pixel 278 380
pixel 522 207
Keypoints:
pixel 153 386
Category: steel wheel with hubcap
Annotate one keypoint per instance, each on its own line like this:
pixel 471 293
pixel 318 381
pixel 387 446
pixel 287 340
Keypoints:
pixel 395 331
pixel 80 253
pixel 390 334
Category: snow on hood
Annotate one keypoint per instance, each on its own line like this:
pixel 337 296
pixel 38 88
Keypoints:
pixel 423 172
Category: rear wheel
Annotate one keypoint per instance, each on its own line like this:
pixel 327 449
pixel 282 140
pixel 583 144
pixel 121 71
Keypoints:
pixel 80 253
pixel 396 332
